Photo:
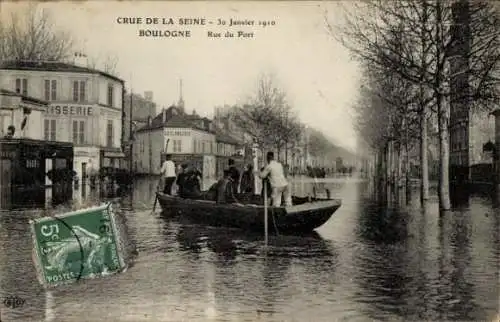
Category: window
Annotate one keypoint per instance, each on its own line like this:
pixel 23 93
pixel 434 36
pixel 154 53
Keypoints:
pixel 49 130
pixel 194 145
pixel 79 91
pixel 50 90
pixel 177 146
pixel 110 95
pixel 109 133
pixel 22 86
pixel 30 164
pixel 203 147
pixel 78 132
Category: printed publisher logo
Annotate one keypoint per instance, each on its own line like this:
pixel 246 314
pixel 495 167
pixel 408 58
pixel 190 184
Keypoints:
pixel 13 302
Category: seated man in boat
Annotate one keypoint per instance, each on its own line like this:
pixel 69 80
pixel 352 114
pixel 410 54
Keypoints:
pixel 235 175
pixel 181 176
pixel 224 192
pixel 247 180
pixel 279 185
pixel 190 183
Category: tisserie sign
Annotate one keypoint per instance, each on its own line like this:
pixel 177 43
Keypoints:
pixel 76 110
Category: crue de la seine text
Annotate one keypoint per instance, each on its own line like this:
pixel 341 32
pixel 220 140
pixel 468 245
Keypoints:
pixel 181 27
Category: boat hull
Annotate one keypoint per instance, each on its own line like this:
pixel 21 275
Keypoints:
pixel 301 218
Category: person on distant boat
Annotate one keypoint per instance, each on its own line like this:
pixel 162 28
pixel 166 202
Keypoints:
pixel 168 171
pixel 235 175
pixel 279 184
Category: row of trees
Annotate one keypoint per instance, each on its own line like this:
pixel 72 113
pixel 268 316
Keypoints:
pixel 274 125
pixel 31 35
pixel 422 61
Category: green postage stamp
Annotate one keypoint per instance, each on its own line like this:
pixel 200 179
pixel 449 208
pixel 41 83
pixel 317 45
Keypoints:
pixel 75 245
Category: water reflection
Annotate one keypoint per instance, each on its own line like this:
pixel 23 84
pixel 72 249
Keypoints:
pixel 376 259
pixel 401 242
pixel 15 256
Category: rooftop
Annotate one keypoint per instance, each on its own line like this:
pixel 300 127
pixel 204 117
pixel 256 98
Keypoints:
pixel 52 66
pixel 187 121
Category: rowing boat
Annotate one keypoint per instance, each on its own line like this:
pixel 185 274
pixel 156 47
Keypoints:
pixel 305 215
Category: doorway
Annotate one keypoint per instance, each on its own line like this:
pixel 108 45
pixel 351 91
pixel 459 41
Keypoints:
pixel 5 183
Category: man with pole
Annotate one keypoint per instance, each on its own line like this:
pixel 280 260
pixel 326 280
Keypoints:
pixel 168 171
pixel 279 183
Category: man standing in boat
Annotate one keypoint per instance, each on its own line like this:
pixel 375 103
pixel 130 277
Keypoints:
pixel 279 184
pixel 168 171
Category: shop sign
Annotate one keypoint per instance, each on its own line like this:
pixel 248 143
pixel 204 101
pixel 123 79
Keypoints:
pixel 76 110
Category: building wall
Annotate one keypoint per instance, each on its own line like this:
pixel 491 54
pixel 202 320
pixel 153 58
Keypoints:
pixel 482 130
pixel 11 113
pixel 142 108
pixel 91 111
pixel 146 151
pixel 181 140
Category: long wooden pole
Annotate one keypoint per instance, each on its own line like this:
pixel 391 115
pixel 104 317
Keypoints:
pixel 266 228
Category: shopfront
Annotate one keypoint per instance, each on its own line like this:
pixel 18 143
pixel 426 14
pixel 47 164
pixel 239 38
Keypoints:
pixel 25 165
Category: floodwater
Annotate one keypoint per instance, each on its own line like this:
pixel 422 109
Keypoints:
pixel 367 263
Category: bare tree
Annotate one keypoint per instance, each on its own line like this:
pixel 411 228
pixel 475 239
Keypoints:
pixel 107 64
pixel 268 118
pixel 427 43
pixel 31 35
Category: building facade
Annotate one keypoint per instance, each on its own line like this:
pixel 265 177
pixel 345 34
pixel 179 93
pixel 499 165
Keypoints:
pixel 84 108
pixel 189 139
pixel 22 112
pixel 25 158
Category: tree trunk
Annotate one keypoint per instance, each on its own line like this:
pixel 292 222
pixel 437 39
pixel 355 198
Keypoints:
pixel 424 163
pixel 444 154
pixel 443 109
pixel 407 172
pixel 388 164
pixel 400 165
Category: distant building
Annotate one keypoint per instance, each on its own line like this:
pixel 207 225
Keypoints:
pixel 470 127
pixel 84 107
pixel 141 108
pixel 192 139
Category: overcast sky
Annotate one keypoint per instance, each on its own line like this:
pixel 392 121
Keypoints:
pixel 316 72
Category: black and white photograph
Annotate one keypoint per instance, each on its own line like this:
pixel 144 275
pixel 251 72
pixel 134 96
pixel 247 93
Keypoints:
pixel 274 161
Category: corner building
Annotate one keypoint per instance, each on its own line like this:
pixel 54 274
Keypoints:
pixel 84 107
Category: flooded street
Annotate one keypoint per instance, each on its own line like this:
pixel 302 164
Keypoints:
pixel 366 263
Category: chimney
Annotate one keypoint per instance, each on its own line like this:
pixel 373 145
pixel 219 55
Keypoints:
pixel 80 60
pixel 148 96
pixel 164 112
